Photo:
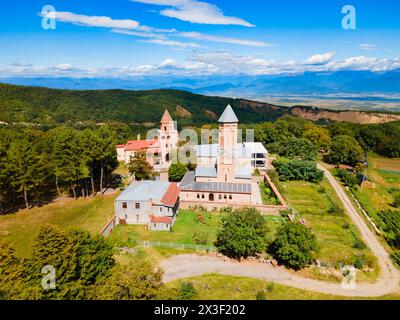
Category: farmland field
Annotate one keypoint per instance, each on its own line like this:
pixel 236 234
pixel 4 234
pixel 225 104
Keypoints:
pixel 321 209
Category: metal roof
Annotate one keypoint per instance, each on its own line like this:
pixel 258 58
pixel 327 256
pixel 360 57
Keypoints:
pixel 243 173
pixel 206 172
pixel 228 116
pixel 188 183
pixel 144 191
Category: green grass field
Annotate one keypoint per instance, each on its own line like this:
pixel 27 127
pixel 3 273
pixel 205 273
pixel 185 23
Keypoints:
pixel 20 228
pixel 336 234
pixel 384 181
pixel 184 228
pixel 186 225
pixel 221 287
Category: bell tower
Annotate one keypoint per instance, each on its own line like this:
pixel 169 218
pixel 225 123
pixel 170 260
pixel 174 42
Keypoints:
pixel 168 137
pixel 228 130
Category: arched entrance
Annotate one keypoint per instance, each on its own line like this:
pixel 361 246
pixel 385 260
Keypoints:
pixel 211 197
pixel 167 157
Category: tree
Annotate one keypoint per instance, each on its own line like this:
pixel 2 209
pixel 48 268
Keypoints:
pixel 11 272
pixel 27 166
pixel 108 138
pixel 176 172
pixel 295 148
pixel 344 150
pixel 318 136
pixel 243 234
pixel 132 282
pixel 396 202
pixel 139 167
pixel 295 245
pixel 187 291
pixel 94 256
pixel 52 247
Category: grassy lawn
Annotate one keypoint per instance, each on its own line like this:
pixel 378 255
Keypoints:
pixel 21 227
pixel 220 287
pixel 186 225
pixel 336 234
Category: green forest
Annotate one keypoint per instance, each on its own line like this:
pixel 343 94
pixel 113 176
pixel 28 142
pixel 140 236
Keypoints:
pixel 53 106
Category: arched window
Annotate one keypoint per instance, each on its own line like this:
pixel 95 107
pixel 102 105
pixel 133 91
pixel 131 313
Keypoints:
pixel 211 197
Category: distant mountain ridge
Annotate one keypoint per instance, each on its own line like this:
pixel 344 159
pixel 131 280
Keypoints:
pixel 317 83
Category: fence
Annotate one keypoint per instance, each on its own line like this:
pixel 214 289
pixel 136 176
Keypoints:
pixel 109 227
pixel 182 246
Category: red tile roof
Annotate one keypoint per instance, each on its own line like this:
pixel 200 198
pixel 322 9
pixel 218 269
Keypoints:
pixel 134 145
pixel 156 219
pixel 345 166
pixel 172 195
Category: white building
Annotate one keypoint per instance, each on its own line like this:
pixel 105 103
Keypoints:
pixel 151 203
pixel 224 170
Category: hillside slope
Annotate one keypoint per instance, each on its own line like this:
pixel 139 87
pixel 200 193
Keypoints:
pixel 53 106
pixel 56 106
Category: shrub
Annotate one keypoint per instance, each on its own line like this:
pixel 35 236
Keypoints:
pixel 396 257
pixel 200 238
pixel 298 170
pixel 295 245
pixel 359 263
pixel 347 178
pixel 261 295
pixel 335 210
pixel 187 291
pixel 270 286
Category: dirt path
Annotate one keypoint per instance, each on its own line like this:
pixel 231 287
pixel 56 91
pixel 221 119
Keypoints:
pixel 184 266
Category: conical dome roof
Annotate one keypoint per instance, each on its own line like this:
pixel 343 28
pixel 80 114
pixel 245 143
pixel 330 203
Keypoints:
pixel 228 116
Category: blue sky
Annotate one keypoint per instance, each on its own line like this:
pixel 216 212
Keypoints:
pixel 127 38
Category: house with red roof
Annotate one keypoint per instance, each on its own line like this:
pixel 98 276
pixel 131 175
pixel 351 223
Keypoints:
pixel 158 146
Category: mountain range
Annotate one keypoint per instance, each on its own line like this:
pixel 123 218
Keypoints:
pixel 308 83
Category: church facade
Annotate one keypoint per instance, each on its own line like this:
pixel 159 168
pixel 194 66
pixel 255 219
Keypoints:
pixel 158 150
pixel 224 170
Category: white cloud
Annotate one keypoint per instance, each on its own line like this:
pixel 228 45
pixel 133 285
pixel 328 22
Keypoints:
pixel 206 37
pixel 205 64
pixel 65 66
pixel 172 43
pixel 195 12
pixel 93 21
pixel 140 34
pixel 365 63
pixel 320 59
pixel 367 46
pixel 134 28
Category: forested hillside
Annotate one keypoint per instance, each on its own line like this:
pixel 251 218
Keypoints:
pixel 54 106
